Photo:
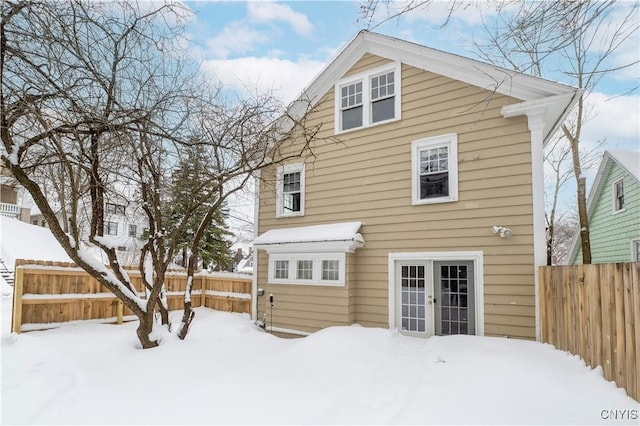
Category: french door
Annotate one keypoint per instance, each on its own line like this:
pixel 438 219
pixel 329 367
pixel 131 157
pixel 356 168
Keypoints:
pixel 435 297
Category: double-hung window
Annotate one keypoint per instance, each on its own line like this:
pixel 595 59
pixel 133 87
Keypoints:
pixel 307 268
pixel 115 209
pixel 618 196
pixel 290 190
pixel 351 105
pixel 111 228
pixel 382 97
pixel 434 169
pixel 368 98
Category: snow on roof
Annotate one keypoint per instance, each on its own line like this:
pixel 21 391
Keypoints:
pixel 630 160
pixel 20 240
pixel 333 232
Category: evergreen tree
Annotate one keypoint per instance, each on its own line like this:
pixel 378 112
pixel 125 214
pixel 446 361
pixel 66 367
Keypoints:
pixel 188 194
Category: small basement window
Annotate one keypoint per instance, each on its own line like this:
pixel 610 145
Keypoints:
pixel 307 268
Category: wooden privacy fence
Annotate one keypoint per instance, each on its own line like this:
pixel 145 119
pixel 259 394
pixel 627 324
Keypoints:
pixel 594 311
pixel 49 294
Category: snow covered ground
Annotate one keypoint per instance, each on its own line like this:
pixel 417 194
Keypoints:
pixel 230 372
pixel 20 240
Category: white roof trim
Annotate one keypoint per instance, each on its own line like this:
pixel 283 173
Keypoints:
pixel 615 157
pixel 552 110
pixel 336 237
pixel 490 77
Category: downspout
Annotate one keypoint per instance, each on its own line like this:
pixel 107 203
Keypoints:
pixel 536 127
pixel 256 221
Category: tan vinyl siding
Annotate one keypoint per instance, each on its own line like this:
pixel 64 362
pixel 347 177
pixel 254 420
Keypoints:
pixel 306 307
pixel 366 176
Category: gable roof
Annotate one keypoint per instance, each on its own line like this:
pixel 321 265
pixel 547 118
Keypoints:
pixel 552 99
pixel 627 160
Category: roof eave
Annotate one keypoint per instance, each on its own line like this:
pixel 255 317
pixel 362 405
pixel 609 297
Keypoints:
pixel 342 246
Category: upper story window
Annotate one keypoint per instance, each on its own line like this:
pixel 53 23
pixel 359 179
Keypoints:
pixel 368 98
pixel 434 169
pixel 382 97
pixel 618 196
pixel 114 209
pixel 133 230
pixel 351 105
pixel 290 190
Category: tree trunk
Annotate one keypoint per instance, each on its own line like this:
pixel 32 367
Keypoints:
pixel 583 221
pixel 550 246
pixel 187 318
pixel 144 331
pixel 188 315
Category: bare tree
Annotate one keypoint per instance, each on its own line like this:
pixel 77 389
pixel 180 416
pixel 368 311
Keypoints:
pixel 560 171
pixel 575 39
pixel 102 94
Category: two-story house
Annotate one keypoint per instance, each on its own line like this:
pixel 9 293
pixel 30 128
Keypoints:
pixel 427 215
pixel 613 209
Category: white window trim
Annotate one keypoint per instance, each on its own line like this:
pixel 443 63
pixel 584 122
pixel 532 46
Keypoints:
pixel 317 259
pixel 614 196
pixel 450 141
pixel 365 77
pixel 478 267
pixel 282 170
pixel 634 252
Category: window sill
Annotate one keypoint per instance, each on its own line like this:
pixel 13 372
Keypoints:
pixel 391 120
pixel 308 283
pixel 296 214
pixel 417 202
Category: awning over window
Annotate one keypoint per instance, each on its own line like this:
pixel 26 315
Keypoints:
pixel 342 237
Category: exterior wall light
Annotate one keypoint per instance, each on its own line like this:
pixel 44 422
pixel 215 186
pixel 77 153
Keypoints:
pixel 503 231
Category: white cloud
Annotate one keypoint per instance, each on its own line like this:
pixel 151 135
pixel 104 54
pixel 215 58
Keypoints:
pixel 267 11
pixel 237 37
pixel 616 119
pixel 629 51
pixel 250 75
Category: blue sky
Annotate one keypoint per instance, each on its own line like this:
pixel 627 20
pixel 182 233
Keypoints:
pixel 281 46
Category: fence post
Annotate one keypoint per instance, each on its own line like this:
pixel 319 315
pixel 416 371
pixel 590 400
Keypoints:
pixel 16 317
pixel 203 287
pixel 119 312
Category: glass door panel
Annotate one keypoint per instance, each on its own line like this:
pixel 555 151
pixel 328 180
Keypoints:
pixel 455 308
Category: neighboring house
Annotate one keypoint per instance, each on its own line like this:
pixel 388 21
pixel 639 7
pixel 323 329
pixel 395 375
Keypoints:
pixel 10 199
pixel 245 265
pixel 613 209
pixel 427 215
pixel 124 226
